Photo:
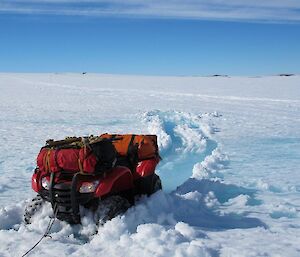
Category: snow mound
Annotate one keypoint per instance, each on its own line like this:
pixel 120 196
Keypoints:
pixel 184 140
pixel 212 166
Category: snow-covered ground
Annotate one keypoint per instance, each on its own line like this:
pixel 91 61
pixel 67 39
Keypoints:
pixel 230 168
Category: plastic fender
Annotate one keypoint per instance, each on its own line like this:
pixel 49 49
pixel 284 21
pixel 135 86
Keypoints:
pixel 119 179
pixel 146 167
pixel 35 182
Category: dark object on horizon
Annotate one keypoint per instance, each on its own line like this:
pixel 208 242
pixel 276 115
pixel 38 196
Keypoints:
pixel 286 75
pixel 219 75
pixel 83 73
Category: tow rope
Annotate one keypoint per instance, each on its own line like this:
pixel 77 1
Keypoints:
pixel 46 234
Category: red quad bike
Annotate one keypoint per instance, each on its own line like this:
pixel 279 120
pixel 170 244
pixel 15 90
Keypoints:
pixel 91 171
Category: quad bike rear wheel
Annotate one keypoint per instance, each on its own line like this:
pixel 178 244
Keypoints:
pixel 32 207
pixel 111 207
pixel 150 185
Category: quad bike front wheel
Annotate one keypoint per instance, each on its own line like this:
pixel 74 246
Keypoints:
pixel 32 207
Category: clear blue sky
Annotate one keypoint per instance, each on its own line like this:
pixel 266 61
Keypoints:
pixel 65 36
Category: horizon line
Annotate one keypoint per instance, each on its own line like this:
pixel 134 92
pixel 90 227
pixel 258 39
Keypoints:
pixel 216 75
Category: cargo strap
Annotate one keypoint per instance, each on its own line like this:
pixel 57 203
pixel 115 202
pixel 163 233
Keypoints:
pixel 130 145
pixel 80 166
pixel 47 161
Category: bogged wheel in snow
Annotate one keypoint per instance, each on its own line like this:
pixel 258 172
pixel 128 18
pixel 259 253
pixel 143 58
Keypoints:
pixel 151 184
pixel 32 207
pixel 111 207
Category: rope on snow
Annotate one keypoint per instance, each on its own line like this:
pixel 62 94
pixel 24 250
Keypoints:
pixel 46 234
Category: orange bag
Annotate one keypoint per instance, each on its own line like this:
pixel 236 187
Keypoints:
pixel 144 145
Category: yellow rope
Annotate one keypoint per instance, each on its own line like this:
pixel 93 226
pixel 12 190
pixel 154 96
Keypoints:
pixel 46 161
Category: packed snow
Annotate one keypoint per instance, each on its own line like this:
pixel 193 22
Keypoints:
pixel 230 150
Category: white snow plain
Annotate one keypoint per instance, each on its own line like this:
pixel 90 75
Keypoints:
pixel 230 168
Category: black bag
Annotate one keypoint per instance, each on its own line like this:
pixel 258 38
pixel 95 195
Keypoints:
pixel 105 153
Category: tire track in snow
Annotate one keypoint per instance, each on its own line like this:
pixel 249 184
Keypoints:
pixel 184 140
pixel 193 168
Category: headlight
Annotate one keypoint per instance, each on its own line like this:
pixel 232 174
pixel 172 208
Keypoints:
pixel 45 183
pixel 89 187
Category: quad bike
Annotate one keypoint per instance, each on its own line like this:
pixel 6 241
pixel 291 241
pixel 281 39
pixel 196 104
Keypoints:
pixel 107 171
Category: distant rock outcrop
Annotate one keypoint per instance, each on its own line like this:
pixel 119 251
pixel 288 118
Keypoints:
pixel 286 74
pixel 219 75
